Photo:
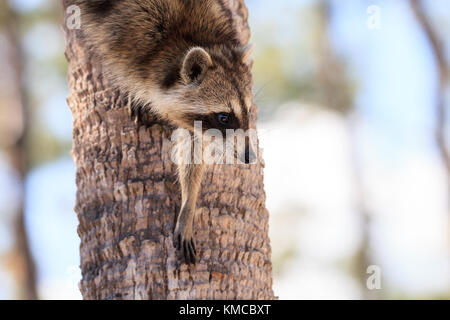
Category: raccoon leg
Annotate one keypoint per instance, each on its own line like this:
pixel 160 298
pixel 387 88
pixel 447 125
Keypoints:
pixel 190 176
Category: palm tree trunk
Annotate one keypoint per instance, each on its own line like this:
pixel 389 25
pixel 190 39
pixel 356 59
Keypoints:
pixel 128 198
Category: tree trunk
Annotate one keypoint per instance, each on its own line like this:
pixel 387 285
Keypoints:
pixel 438 50
pixel 20 260
pixel 128 198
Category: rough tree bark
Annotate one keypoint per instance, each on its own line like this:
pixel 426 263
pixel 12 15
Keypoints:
pixel 128 197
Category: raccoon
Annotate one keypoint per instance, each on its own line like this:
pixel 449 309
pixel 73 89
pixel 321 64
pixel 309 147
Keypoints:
pixel 181 61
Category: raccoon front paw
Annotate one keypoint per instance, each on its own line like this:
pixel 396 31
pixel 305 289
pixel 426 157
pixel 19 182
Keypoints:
pixel 141 116
pixel 185 244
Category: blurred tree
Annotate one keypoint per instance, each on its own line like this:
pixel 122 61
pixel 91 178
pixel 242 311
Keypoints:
pixel 438 49
pixel 309 69
pixel 46 74
pixel 337 93
pixel 128 196
pixel 301 66
pixel 334 85
pixel 19 260
pixel 443 67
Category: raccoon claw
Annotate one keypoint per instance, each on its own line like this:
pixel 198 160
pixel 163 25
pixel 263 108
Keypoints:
pixel 134 114
pixel 186 246
pixel 141 116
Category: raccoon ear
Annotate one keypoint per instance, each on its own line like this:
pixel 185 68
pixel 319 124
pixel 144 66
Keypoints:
pixel 195 64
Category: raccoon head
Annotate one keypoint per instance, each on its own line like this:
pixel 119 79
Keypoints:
pixel 215 87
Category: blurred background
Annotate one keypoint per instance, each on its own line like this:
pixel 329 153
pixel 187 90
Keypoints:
pixel 353 98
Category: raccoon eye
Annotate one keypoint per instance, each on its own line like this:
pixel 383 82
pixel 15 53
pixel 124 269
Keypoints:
pixel 224 118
